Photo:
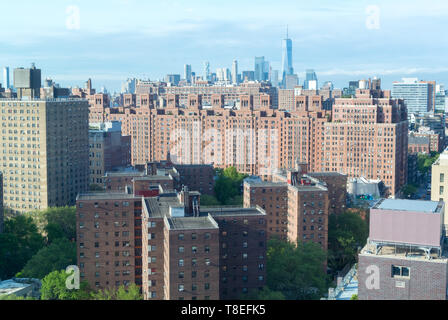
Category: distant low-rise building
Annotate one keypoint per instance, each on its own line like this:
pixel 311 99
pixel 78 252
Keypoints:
pixel 21 287
pixel 439 181
pixel 405 257
pixel 108 150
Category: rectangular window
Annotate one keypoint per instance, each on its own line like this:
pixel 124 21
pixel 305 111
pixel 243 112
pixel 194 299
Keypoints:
pixel 442 177
pixel 399 271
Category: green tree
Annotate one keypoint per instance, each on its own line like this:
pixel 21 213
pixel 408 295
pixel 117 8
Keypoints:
pixel 207 200
pixel 296 271
pixel 346 232
pixel 19 242
pixel 131 292
pixel 54 288
pixel 57 223
pixel 354 297
pixel 228 185
pixel 425 161
pixel 58 255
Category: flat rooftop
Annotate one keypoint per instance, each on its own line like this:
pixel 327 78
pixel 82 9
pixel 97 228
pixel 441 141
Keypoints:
pixel 160 207
pixel 152 178
pixel 402 251
pixel 128 173
pixel 188 223
pixel 10 286
pixel 105 196
pixel 408 205
pixel 265 184
pixel 326 174
pixel 232 211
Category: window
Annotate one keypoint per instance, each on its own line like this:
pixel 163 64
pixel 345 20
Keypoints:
pixel 181 236
pixel 207 286
pixel 442 177
pixel 194 249
pixel 194 274
pixel 194 287
pixel 207 261
pixel 181 288
pixel 181 262
pixel 181 249
pixel 398 271
pixel 207 236
pixel 441 190
pixel 181 275
pixel 193 236
pixel 193 262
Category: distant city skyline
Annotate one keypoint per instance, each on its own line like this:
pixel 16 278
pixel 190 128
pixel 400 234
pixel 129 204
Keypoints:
pixel 121 39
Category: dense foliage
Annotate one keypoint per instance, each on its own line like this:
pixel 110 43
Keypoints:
pixel 19 242
pixel 58 255
pixel 346 233
pixel 228 186
pixel 294 272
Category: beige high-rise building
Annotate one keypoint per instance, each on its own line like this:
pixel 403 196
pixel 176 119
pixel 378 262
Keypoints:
pixel 439 178
pixel 44 152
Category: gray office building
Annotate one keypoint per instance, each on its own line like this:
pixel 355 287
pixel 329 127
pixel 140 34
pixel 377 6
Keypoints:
pixel 27 82
pixel 416 95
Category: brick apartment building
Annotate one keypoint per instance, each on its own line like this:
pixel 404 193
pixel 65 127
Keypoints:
pixel 165 174
pixel 109 248
pixel 48 146
pixel 418 144
pixel 170 246
pixel 405 257
pixel 365 135
pixel 298 205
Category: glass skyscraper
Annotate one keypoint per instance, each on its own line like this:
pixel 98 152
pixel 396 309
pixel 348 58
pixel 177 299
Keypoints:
pixel 259 68
pixel 310 76
pixel 287 68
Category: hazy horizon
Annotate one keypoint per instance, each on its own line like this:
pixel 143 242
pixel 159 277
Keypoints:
pixel 110 41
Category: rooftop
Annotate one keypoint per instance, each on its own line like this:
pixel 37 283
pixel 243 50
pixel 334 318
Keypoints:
pixel 159 207
pixel 186 223
pixel 151 178
pixel 105 196
pixel 15 286
pixel 408 205
pixel 266 184
pixel 125 173
pixel 408 252
pixel 232 211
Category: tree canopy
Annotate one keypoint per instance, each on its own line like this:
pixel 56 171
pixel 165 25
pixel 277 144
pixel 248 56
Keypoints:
pixel 131 292
pixel 228 186
pixel 19 242
pixel 56 223
pixel 295 272
pixel 58 255
pixel 346 232
pixel 54 288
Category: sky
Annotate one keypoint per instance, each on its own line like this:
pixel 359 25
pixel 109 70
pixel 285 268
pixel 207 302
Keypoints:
pixel 109 41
